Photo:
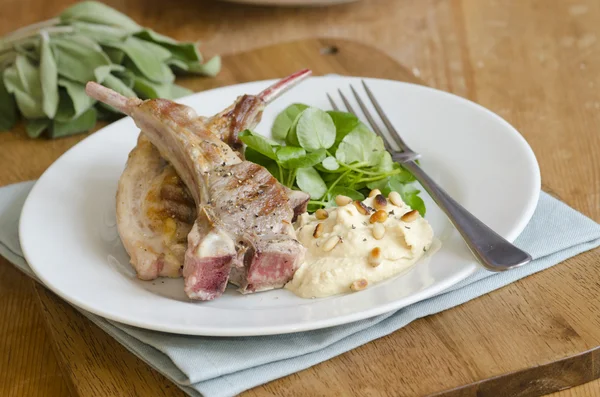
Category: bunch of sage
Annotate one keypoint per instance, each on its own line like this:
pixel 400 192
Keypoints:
pixel 44 68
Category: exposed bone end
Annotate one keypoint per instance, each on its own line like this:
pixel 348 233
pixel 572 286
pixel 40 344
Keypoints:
pixel 274 91
pixel 110 97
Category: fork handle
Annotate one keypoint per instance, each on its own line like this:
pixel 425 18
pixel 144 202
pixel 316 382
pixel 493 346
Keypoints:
pixel 490 249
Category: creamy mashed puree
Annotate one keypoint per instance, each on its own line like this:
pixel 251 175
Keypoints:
pixel 350 248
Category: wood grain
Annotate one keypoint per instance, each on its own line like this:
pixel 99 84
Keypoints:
pixel 536 63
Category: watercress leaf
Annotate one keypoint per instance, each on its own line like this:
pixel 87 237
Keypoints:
pixel 385 163
pixel 101 72
pixel 8 108
pixel 310 160
pixel 78 100
pixel 248 132
pixel 409 193
pixel 35 127
pixel 286 153
pixel 315 130
pixel 345 191
pixel 48 77
pixel 99 32
pixel 285 119
pixel 404 176
pixel 360 145
pixel 309 181
pixel 259 144
pixel 344 123
pixel 330 163
pixel 382 184
pixel 178 91
pixel 76 59
pixel 84 122
pixel 256 157
pixel 209 68
pixel 271 165
pixel 95 12
pixel 184 51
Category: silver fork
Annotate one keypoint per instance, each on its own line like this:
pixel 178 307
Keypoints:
pixel 490 249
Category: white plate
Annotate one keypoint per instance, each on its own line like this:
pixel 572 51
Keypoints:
pixel 69 237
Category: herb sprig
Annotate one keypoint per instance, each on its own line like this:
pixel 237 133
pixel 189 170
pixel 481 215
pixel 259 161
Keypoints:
pixel 328 153
pixel 44 68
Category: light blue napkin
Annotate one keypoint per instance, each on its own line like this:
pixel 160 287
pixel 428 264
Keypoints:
pixel 216 367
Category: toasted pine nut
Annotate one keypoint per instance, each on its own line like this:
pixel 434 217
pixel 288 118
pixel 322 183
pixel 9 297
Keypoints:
pixel 331 243
pixel 379 202
pixel 374 192
pixel 410 216
pixel 359 285
pixel 395 198
pixel 341 200
pixel 378 230
pixel 375 257
pixel 321 214
pixel 379 216
pixel 318 230
pixel 361 207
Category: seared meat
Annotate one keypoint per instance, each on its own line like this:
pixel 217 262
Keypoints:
pixel 155 213
pixel 243 214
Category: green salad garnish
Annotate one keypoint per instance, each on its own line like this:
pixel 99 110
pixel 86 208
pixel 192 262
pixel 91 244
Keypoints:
pixel 327 153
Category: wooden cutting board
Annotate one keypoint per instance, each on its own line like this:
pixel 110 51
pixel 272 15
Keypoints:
pixel 533 337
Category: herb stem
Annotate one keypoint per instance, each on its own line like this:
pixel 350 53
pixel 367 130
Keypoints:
pixel 280 173
pixel 9 42
pixel 336 182
pixel 26 30
pixel 317 202
pixel 379 176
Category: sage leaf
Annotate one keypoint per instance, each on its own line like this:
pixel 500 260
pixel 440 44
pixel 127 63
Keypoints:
pixel 148 58
pixel 309 181
pixel 210 68
pixel 285 119
pixel 35 127
pixel 178 91
pixel 48 77
pixel 22 79
pixel 149 89
pixel 119 86
pixel 76 60
pixel 101 72
pixel 100 33
pixel 178 64
pixel 95 12
pixel 79 100
pixel 116 55
pixel 8 108
pixel 84 122
pixel 315 130
pixel 184 51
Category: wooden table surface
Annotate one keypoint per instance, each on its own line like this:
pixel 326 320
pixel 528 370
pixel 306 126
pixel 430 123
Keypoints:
pixel 536 63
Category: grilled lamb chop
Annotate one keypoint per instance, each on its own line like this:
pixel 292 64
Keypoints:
pixel 243 214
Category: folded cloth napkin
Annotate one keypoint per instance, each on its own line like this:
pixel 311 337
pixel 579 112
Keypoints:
pixel 214 367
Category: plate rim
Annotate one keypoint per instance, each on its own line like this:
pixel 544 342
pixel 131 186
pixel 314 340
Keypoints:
pixel 426 293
